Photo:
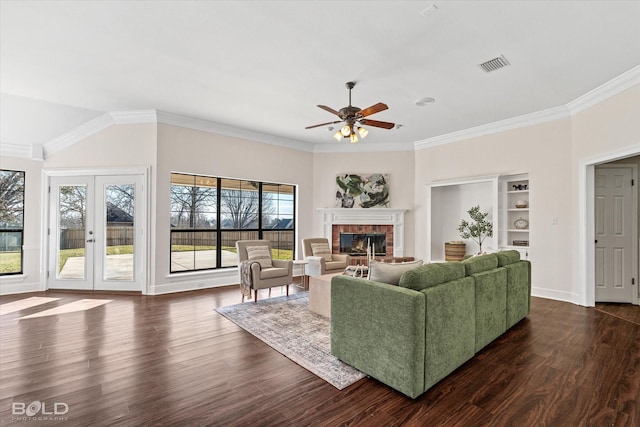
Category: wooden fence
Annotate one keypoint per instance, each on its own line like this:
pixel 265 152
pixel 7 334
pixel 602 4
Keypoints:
pixel 123 235
pixel 282 239
pixel 73 238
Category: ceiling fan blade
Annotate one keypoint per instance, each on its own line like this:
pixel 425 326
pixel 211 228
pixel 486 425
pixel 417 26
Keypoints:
pixel 377 123
pixel 375 108
pixel 323 124
pixel 332 111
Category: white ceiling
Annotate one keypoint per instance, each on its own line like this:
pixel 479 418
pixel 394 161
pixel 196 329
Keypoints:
pixel 265 65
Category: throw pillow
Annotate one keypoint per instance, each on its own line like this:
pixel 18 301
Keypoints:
pixel 390 273
pixel 322 249
pixel 260 254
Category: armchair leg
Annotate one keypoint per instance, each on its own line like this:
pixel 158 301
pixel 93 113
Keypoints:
pixel 255 295
pixel 287 290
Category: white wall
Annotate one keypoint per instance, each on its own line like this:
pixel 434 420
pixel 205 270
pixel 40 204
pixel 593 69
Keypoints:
pixel 197 152
pixel 30 280
pixel 605 132
pixel 115 146
pixel 554 154
pixel 543 151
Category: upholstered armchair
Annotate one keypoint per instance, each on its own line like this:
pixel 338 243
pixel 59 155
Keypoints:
pixel 258 270
pixel 317 252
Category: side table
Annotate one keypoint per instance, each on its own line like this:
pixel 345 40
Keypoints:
pixel 303 280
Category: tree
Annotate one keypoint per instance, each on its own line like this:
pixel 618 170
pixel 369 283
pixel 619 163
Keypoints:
pixel 188 205
pixel 122 196
pixel 477 230
pixel 243 206
pixel 73 205
pixel 11 199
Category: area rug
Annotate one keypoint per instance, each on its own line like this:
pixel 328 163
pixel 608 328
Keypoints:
pixel 287 325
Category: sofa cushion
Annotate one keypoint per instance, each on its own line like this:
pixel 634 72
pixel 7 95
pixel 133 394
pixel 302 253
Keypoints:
pixel 322 249
pixel 270 273
pixel 518 291
pixel 390 273
pixel 508 257
pixel 259 254
pixel 491 305
pixel 429 275
pixel 480 263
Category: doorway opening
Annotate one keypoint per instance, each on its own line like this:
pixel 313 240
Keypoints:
pixel 585 284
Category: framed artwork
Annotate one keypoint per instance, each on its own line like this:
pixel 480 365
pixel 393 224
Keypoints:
pixel 354 190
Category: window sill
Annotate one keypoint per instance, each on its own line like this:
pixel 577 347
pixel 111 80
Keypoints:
pixel 13 279
pixel 211 273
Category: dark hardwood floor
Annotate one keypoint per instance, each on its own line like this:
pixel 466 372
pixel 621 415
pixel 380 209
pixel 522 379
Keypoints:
pixel 172 360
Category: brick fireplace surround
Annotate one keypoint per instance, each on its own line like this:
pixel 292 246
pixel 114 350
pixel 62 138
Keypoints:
pixel 388 221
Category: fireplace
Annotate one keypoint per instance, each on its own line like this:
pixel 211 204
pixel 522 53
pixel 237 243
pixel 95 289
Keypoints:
pixel 358 243
pixel 373 221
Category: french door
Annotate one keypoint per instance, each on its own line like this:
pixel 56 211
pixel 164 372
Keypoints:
pixel 96 232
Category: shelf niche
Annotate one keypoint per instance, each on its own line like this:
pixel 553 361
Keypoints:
pixel 448 203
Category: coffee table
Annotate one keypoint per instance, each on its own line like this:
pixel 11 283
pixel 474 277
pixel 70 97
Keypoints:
pixel 320 294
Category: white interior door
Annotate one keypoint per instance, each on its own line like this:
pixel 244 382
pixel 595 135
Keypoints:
pixel 96 232
pixel 615 234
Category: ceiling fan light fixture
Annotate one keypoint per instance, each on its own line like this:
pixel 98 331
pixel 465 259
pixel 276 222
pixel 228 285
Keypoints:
pixel 352 118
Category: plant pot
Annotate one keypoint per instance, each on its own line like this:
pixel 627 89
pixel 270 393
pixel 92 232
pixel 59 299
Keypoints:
pixel 454 251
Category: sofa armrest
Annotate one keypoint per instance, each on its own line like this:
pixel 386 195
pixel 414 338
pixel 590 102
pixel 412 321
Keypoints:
pixel 380 330
pixel 341 257
pixel 283 263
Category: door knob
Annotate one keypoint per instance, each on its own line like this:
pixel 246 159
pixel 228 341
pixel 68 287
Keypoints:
pixel 91 240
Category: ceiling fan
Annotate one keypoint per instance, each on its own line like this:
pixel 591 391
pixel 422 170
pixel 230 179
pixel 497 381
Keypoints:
pixel 354 118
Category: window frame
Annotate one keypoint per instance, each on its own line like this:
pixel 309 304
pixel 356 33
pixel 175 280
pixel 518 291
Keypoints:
pixel 246 233
pixel 20 230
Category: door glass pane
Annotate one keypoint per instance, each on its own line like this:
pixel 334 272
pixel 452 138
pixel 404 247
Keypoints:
pixel 73 211
pixel 119 235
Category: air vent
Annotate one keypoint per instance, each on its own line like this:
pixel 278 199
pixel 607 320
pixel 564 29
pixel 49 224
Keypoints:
pixel 494 64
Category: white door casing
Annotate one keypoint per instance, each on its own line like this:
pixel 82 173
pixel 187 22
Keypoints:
pixel 104 263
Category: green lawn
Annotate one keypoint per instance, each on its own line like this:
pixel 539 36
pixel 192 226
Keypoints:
pixel 9 262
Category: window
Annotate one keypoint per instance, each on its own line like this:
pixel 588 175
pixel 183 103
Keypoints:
pixel 11 221
pixel 208 216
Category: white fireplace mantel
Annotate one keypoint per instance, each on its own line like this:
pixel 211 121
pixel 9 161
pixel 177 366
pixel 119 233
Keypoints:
pixel 370 216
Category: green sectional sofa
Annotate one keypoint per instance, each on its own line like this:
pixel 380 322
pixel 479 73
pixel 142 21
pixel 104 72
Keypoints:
pixel 439 316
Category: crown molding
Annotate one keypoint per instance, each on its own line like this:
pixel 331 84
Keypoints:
pixel 226 130
pixel 134 117
pixel 15 150
pixel 96 125
pixel 83 131
pixel 611 88
pixel 524 120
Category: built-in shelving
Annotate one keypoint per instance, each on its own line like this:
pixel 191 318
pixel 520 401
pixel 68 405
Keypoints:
pixel 514 213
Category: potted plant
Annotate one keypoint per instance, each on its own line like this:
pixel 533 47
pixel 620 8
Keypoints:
pixel 478 229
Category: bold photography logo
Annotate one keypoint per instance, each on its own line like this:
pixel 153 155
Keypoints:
pixel 39 409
